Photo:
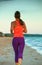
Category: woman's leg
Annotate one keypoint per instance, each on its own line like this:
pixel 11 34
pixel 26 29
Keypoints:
pixel 15 48
pixel 19 61
pixel 20 51
pixel 16 63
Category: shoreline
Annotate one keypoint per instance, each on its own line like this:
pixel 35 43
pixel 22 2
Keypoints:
pixel 35 49
pixel 30 56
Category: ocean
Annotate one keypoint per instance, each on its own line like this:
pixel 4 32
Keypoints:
pixel 34 42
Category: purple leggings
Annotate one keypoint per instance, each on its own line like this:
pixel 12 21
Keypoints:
pixel 18 44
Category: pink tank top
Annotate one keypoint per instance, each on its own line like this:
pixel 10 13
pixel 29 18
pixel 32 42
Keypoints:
pixel 18 30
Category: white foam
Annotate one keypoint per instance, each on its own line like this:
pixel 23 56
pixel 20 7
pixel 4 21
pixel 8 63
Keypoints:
pixel 36 48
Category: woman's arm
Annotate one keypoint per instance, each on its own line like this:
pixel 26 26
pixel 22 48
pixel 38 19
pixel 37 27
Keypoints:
pixel 25 29
pixel 11 28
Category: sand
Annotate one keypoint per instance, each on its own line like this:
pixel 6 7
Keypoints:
pixel 30 56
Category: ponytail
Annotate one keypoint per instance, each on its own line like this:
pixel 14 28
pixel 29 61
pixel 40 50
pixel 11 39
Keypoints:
pixel 21 22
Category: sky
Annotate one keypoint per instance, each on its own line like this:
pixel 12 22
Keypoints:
pixel 31 14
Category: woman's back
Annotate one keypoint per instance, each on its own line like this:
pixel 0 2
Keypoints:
pixel 18 29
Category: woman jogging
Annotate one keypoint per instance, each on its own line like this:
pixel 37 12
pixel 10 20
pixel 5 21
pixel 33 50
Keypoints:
pixel 18 27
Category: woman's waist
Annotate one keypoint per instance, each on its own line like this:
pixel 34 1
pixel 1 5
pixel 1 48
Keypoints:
pixel 18 35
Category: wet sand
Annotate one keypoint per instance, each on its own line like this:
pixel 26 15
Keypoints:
pixel 30 57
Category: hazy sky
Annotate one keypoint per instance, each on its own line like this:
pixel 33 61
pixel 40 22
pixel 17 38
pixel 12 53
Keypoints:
pixel 31 13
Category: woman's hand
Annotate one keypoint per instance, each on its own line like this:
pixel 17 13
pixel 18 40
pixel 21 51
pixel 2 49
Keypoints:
pixel 25 30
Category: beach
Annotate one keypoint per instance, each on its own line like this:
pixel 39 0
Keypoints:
pixel 30 56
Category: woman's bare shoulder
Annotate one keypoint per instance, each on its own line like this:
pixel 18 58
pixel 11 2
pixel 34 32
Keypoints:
pixel 13 22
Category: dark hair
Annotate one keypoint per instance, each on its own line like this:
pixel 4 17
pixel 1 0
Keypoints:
pixel 17 15
pixel 21 22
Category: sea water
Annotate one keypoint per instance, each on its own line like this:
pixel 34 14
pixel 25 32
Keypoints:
pixel 35 42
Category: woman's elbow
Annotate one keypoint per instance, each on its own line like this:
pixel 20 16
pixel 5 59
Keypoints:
pixel 25 31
